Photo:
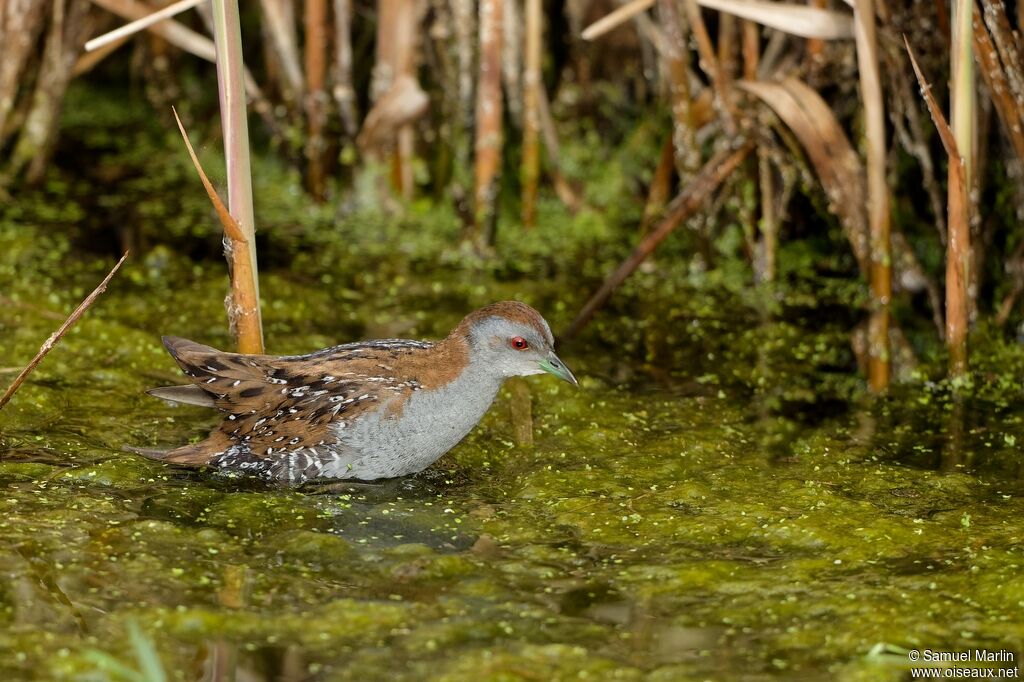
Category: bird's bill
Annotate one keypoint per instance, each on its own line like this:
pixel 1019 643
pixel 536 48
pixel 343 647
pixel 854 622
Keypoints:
pixel 553 365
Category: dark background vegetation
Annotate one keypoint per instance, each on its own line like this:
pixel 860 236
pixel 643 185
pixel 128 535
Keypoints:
pixel 368 159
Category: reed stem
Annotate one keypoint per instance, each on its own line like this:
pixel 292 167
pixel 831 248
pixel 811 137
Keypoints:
pixel 244 307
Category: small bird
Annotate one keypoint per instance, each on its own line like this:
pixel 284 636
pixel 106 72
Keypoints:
pixel 365 410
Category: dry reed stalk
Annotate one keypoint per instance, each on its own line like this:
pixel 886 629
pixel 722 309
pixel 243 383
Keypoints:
pixel 1008 44
pixel 172 31
pixel 512 47
pixel 710 66
pixel 395 68
pixel 461 98
pixel 684 140
pixel 653 39
pixel 464 21
pixel 567 194
pixel 244 307
pixel 751 49
pixel 405 65
pixel 344 92
pixel 880 277
pixel 21 21
pixel 958 248
pixel 88 61
pixel 661 185
pixel 382 84
pixel 768 224
pixel 616 18
pixel 910 131
pixel 56 336
pixel 767 256
pixel 195 44
pixel 726 48
pixel 958 255
pixel 521 411
pixel 398 108
pixel 279 21
pixel 70 22
pixel 134 27
pixel 530 171
pixel 315 62
pixel 697 191
pixel 403 161
pixel 488 122
pixel 384 69
pixel 1015 268
pixel 815 46
pixel 999 80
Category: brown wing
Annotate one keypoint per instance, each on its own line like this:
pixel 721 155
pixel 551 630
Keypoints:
pixel 277 405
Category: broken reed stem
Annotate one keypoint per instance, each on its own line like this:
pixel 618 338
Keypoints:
pixel 880 272
pixel 232 230
pixel 530 172
pixel 958 246
pixel 56 336
pixel 244 309
pixel 701 187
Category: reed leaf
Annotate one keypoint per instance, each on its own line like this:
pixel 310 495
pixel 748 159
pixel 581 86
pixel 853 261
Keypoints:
pixel 798 20
pixel 837 165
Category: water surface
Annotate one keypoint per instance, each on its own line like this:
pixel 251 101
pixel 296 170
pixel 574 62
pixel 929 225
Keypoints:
pixel 711 504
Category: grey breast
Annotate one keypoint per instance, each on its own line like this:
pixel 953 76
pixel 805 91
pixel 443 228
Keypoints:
pixel 430 424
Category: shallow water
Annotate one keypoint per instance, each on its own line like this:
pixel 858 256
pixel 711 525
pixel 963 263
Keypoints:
pixel 677 517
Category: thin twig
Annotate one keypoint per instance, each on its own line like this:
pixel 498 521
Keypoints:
pixel 61 331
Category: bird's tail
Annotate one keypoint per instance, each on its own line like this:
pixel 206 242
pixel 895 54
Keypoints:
pixel 188 455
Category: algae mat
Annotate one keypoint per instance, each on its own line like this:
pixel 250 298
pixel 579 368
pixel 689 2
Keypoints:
pixel 654 531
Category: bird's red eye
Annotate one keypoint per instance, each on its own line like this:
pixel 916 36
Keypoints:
pixel 519 343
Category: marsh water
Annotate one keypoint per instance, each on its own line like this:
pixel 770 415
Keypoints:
pixel 719 499
pixel 714 501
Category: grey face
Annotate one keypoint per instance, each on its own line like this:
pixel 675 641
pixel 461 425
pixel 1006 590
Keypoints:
pixel 511 349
